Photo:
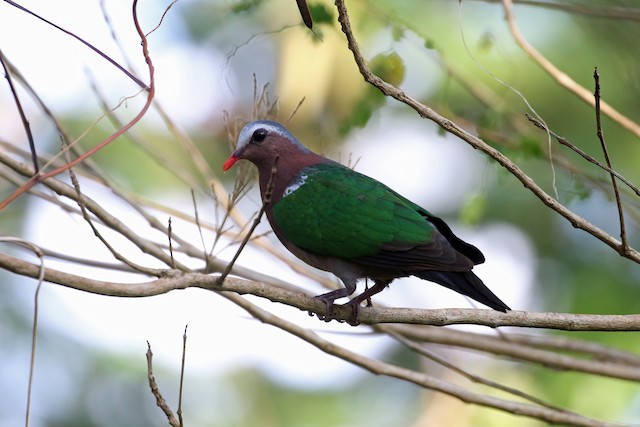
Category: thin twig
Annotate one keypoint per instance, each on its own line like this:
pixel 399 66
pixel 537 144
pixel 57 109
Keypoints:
pixel 23 116
pixel 106 217
pixel 265 202
pixel 468 375
pixel 80 200
pixel 562 78
pixel 295 110
pixel 34 330
pixel 584 155
pixel 503 346
pixel 521 96
pixel 600 132
pixel 84 42
pixel 166 10
pixel 184 358
pixel 608 11
pixel 150 95
pixel 155 390
pixel 199 227
pixel 170 238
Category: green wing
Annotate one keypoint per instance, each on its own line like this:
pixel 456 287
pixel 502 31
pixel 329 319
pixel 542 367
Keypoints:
pixel 341 213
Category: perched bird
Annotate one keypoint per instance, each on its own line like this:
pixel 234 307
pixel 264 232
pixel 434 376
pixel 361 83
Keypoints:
pixel 351 225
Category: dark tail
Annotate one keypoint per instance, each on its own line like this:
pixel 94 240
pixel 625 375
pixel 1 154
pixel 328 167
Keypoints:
pixel 465 283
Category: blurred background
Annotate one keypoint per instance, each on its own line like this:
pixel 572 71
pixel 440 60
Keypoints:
pixel 210 58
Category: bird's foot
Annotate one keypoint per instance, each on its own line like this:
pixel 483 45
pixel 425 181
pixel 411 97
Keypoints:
pixel 328 314
pixel 355 311
pixel 366 289
pixel 328 300
pixel 356 302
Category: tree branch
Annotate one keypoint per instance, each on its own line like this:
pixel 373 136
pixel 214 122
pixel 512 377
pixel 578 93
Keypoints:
pixel 562 78
pixel 477 143
pixel 174 279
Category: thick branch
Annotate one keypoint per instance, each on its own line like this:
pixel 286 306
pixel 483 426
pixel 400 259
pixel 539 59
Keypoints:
pixel 174 279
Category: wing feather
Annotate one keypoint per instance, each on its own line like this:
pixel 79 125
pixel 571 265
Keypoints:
pixel 340 213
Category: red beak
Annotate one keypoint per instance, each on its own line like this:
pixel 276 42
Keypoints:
pixel 230 162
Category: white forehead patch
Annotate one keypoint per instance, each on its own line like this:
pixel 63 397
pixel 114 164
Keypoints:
pixel 244 138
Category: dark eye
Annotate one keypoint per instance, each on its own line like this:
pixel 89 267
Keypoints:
pixel 258 136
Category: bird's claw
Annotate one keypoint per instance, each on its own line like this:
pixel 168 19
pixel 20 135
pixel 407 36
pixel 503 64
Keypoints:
pixel 329 314
pixel 355 312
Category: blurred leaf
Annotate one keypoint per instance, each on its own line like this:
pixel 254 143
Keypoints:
pixel 577 190
pixel 486 42
pixel 245 5
pixel 531 148
pixel 397 33
pixel 474 209
pixel 388 67
pixel 361 114
pixel 321 14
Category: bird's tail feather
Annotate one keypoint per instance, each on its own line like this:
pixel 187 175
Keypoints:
pixel 465 283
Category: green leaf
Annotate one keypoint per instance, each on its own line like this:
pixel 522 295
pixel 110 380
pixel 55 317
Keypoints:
pixel 530 147
pixel 321 14
pixel 397 33
pixel 486 42
pixel 577 191
pixel 245 5
pixel 359 118
pixel 388 67
pixel 474 210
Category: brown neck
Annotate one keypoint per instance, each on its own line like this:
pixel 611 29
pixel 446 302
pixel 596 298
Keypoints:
pixel 276 178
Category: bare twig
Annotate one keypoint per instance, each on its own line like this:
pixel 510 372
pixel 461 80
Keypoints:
pixel 184 358
pixel 562 78
pixel 593 350
pixel 197 220
pixel 608 11
pixel 80 200
pixel 150 95
pixel 34 330
pixel 155 390
pixel 584 155
pixel 170 238
pixel 420 349
pixel 23 116
pixel 600 132
pixel 265 202
pixel 624 367
pixel 166 10
pixel 84 42
pixel 107 218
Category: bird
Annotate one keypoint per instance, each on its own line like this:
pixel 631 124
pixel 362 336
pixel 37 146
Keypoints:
pixel 349 224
